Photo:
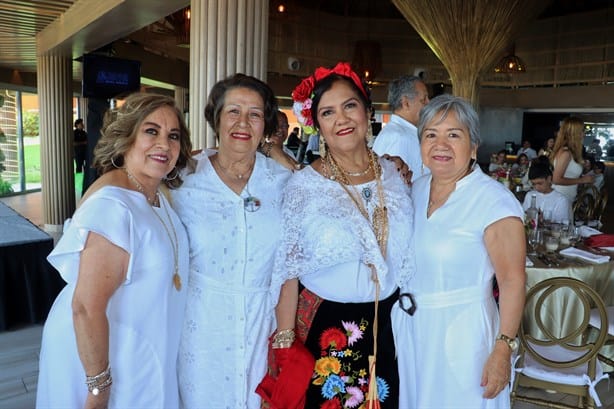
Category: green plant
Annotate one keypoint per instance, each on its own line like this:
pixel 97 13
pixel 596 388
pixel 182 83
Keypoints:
pixel 30 123
pixel 5 187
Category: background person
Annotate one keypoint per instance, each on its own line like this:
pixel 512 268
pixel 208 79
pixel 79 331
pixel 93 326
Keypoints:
pixel 406 96
pixel 79 145
pixel 231 206
pixel 546 150
pixel 124 256
pixel 279 136
pixel 567 159
pixel 497 161
pixel 346 235
pixel 454 352
pixel 520 167
pixel 294 139
pixel 527 150
pixel 549 201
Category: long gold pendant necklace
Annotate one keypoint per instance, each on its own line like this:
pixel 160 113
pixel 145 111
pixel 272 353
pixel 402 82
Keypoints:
pixel 379 219
pixel 175 242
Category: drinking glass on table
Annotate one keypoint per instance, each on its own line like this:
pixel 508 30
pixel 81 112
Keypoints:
pixel 552 243
pixel 535 239
pixel 555 230
pixel 565 238
pixel 574 235
pixel 547 217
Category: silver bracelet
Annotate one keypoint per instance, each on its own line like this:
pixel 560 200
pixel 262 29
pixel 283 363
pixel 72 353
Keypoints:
pixel 98 383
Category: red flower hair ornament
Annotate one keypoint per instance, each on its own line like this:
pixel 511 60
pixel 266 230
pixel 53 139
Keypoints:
pixel 303 93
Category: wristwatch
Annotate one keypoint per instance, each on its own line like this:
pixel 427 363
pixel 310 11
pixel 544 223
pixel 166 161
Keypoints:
pixel 511 342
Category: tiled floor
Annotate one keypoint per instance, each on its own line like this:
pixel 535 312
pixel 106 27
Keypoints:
pixel 19 348
pixel 19 364
pixel 19 367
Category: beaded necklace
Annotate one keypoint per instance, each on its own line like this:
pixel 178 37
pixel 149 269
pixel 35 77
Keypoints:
pixel 379 221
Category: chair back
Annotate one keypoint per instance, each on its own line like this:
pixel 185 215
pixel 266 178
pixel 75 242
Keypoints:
pixel 572 340
pixel 601 203
pixel 584 207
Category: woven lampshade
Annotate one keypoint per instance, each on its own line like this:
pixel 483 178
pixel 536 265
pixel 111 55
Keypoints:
pixel 510 64
pixel 468 35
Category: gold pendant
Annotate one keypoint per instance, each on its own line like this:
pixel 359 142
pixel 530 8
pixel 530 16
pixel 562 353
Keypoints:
pixel 177 281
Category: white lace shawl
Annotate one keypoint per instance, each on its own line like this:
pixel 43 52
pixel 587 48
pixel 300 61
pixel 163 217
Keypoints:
pixel 322 227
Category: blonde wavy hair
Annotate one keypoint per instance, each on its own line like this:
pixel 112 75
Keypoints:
pixel 570 136
pixel 120 128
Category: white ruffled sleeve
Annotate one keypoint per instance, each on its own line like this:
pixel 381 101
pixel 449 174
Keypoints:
pixel 107 217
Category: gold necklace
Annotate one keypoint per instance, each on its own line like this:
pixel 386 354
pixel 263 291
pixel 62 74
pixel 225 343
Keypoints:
pixel 152 200
pixel 357 174
pixel 433 202
pixel 379 221
pixel 174 244
pixel 446 196
pixel 226 171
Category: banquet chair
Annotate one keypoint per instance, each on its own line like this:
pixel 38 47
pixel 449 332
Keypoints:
pixel 595 322
pixel 565 362
pixel 584 207
pixel 601 204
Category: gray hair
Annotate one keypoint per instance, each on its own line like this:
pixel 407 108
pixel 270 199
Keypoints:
pixel 441 105
pixel 400 87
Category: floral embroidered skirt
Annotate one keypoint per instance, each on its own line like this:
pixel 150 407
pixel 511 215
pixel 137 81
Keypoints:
pixel 341 339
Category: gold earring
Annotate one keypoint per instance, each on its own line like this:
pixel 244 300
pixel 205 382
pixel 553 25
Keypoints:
pixel 322 146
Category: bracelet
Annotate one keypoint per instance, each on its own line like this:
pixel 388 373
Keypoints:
pixel 283 339
pixel 99 383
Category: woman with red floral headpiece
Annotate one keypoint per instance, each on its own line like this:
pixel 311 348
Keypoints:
pixel 346 234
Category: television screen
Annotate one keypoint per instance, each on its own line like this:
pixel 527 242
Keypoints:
pixel 107 77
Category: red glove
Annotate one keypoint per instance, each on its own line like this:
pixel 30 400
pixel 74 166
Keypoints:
pixel 295 370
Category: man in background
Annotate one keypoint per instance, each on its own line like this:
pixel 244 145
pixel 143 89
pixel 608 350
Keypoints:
pixel 294 140
pixel 279 137
pixel 79 145
pixel 527 150
pixel 406 96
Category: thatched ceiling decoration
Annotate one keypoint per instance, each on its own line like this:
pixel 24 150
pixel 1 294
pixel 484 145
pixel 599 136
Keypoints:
pixel 469 35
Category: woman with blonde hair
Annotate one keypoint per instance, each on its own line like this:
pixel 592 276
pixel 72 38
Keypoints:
pixel 567 158
pixel 112 336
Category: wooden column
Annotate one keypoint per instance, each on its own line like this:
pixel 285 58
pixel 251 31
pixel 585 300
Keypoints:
pixel 226 37
pixel 55 108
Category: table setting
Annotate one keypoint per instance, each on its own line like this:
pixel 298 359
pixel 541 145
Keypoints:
pixel 569 250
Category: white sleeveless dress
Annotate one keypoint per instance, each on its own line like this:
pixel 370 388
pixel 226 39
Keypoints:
pixel 573 170
pixel 145 313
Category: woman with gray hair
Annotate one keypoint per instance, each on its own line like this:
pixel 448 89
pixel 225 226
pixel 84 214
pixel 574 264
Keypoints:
pixel 455 350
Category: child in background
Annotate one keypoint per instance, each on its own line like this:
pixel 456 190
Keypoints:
pixel 549 201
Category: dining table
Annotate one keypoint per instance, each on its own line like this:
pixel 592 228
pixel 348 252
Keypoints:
pixel 28 283
pixel 562 311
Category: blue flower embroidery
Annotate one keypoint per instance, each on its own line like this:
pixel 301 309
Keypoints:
pixel 333 385
pixel 382 389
